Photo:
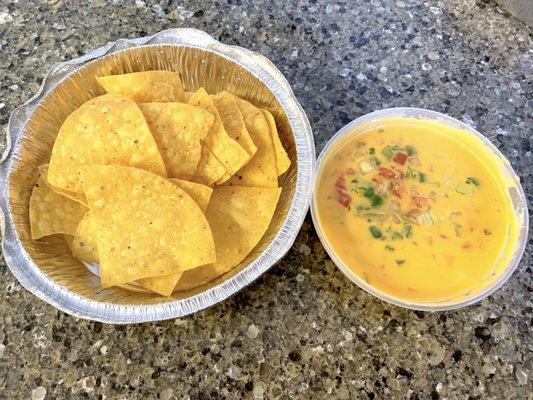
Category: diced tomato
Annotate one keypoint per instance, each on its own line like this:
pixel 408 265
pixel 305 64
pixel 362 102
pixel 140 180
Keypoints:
pixel 419 201
pixel 400 158
pixel 350 171
pixel 344 199
pixel 414 213
pixel 397 191
pixel 340 184
pixel 389 173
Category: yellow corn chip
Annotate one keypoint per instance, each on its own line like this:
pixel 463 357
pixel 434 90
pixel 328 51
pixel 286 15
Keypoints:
pixel 79 197
pixel 209 170
pixel 84 242
pixel 239 217
pixel 130 84
pixel 69 239
pixel 282 160
pixel 226 150
pixel 148 226
pixel 233 122
pixel 178 129
pixel 153 91
pixel 261 170
pixel 107 130
pixel 199 193
pixel 52 213
pixel 84 245
pixel 161 284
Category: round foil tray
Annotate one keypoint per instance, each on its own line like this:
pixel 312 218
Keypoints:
pixel 46 267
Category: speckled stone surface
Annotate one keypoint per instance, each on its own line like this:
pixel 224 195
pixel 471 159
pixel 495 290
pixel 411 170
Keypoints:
pixel 302 331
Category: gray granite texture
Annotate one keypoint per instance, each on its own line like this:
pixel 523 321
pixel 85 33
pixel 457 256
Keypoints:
pixel 301 331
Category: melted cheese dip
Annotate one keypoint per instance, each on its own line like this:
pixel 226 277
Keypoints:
pixel 417 209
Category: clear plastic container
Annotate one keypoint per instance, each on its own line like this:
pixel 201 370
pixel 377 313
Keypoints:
pixel 515 190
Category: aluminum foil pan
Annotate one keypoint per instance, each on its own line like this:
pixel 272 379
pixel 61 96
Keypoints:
pixel 45 266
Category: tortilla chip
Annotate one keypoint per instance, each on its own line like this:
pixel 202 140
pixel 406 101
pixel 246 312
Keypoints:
pixel 209 170
pixel 226 150
pixel 282 159
pixel 129 85
pixel 239 217
pixel 69 239
pixel 232 120
pixel 52 213
pixel 261 170
pixel 84 241
pixel 153 92
pixel 178 129
pixel 79 197
pixel 84 245
pixel 199 193
pixel 149 226
pixel 161 284
pixel 107 130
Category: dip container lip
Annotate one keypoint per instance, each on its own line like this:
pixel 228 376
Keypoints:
pixel 38 282
pixel 519 203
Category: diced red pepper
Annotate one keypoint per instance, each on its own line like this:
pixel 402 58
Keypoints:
pixel 397 190
pixel 344 199
pixel 419 201
pixel 389 173
pixel 400 158
pixel 414 213
pixel 340 184
pixel 350 171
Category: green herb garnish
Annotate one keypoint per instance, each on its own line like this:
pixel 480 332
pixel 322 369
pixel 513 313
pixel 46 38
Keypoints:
pixel 410 150
pixel 375 231
pixel 372 150
pixel 406 231
pixel 376 201
pixel 487 232
pixel 375 161
pixel 368 192
pixel 472 180
pixel 410 173
pixel 422 177
pixel 388 152
pixel 396 236
pixel 389 248
pixel 399 262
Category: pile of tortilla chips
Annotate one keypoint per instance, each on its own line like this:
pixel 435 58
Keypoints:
pixel 160 188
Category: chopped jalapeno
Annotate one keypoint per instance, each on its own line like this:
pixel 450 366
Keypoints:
pixel 458 229
pixel 406 231
pixel 377 200
pixel 472 180
pixel 375 231
pixel 375 161
pixel 388 152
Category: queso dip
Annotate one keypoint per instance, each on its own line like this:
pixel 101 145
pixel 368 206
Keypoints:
pixel 417 209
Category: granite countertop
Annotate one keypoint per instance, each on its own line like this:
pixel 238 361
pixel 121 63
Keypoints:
pixel 302 330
